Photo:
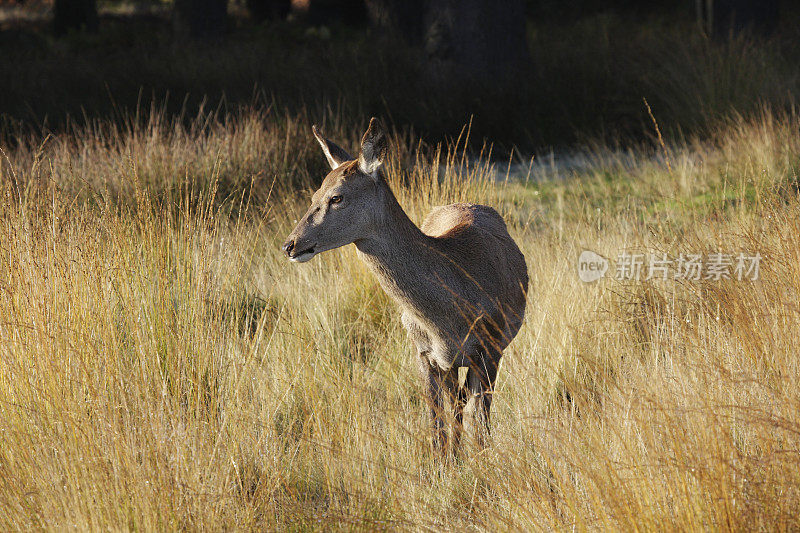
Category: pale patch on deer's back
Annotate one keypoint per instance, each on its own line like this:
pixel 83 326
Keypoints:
pixel 447 220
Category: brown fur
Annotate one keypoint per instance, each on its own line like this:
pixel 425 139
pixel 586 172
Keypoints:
pixel 460 280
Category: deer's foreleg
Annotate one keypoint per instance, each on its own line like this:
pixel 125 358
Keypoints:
pixel 442 387
pixel 434 395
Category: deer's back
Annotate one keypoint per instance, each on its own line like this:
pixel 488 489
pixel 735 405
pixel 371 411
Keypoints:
pixel 489 265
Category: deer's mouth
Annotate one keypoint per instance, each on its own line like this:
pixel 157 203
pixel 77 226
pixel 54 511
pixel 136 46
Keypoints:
pixel 303 255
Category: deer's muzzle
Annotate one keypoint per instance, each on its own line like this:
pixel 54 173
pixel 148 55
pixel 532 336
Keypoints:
pixel 294 253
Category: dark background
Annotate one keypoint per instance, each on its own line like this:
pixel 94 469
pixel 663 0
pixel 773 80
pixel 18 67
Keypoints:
pixel 524 74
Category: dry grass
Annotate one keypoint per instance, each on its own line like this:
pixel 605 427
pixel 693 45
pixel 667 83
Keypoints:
pixel 163 367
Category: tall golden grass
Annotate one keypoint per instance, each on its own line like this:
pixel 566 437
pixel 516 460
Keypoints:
pixel 163 367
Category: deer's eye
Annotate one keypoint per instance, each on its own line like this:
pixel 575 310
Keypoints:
pixel 336 199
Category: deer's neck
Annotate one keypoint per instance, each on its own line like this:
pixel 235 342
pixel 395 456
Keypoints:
pixel 400 255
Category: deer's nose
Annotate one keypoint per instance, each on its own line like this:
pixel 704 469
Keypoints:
pixel 288 246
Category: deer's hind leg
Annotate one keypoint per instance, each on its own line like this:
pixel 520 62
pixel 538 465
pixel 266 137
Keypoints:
pixel 481 377
pixel 459 398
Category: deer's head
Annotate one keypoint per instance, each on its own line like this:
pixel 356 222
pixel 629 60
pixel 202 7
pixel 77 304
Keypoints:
pixel 343 210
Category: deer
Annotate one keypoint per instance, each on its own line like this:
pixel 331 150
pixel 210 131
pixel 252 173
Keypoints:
pixel 460 280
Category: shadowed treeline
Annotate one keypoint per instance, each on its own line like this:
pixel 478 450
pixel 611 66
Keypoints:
pixel 583 77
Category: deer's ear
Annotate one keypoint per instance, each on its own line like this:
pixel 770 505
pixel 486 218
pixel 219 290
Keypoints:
pixel 373 148
pixel 335 154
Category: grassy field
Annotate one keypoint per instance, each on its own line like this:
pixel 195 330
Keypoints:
pixel 163 367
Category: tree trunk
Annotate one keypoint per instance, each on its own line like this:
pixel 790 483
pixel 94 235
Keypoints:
pixel 398 18
pixel 326 12
pixel 78 15
pixel 723 18
pixel 472 37
pixel 478 37
pixel 202 20
pixel 261 10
